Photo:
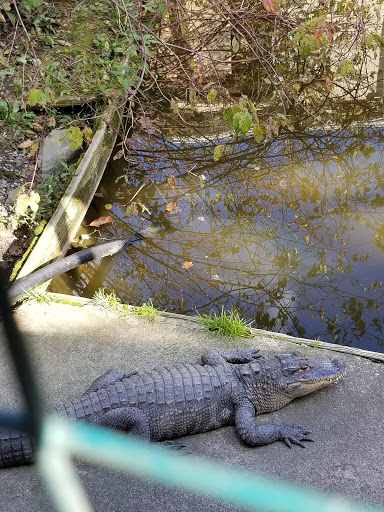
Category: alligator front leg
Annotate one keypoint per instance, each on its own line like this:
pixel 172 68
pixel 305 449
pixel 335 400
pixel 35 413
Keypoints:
pixel 255 435
pixel 221 357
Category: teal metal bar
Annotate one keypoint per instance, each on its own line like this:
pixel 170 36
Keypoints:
pixel 115 450
pixel 60 477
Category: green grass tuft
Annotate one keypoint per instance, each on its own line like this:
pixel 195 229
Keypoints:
pixel 105 300
pixel 109 301
pixel 147 310
pixel 227 323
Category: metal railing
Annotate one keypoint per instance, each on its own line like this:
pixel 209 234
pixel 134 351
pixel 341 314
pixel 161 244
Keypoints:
pixel 57 441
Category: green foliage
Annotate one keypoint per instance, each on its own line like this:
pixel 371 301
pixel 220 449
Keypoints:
pixel 218 152
pixel 40 97
pixel 75 60
pixel 227 323
pixel 51 190
pixel 242 122
pixel 346 68
pixel 228 114
pixel 31 4
pixel 75 137
pixel 34 207
pixel 14 116
pixel 211 96
pixel 4 110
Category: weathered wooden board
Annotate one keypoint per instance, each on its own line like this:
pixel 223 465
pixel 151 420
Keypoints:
pixel 66 220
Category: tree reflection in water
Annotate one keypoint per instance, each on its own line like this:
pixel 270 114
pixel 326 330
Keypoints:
pixel 290 233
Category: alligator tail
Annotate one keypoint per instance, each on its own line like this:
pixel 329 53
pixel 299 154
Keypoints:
pixel 16 448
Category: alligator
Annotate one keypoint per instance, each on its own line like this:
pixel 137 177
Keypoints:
pixel 228 388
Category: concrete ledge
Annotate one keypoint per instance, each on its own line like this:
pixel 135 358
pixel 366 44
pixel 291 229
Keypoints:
pixel 71 346
pixel 374 356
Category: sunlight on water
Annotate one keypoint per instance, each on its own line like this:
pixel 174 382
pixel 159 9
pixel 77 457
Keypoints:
pixel 291 233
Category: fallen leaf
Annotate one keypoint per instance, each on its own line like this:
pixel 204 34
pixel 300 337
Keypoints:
pixel 176 209
pixel 270 5
pixel 112 93
pixel 188 265
pixel 37 127
pixel 51 122
pixel 26 144
pixel 101 220
pixel 16 249
pixel 169 207
pixel 119 154
pixel 108 206
pixel 201 219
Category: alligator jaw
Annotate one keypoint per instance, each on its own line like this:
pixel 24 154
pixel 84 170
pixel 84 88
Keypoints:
pixel 317 374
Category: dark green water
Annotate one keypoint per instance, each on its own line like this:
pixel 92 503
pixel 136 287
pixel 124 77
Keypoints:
pixel 291 233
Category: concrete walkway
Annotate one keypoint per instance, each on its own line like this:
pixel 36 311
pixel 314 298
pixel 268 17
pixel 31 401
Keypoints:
pixel 73 345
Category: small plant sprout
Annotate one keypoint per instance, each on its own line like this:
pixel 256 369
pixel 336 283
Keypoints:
pixel 318 343
pixel 36 296
pixel 108 301
pixel 227 323
pixel 147 310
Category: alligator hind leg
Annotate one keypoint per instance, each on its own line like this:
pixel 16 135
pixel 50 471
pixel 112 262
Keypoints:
pixel 109 377
pixel 128 419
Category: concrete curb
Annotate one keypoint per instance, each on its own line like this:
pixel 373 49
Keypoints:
pixel 373 356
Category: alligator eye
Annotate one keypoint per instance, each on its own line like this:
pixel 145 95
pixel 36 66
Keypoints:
pixel 303 368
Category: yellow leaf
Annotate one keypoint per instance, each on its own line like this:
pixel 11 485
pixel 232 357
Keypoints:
pixel 187 265
pixel 26 144
pixel 201 218
pixel 33 149
pixel 169 207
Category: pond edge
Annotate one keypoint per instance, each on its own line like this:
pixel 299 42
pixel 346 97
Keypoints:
pixel 72 300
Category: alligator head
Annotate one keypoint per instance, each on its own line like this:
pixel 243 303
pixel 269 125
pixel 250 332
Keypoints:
pixel 302 375
pixel 276 381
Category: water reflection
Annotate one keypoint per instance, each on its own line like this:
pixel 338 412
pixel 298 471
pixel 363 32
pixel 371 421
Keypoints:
pixel 291 233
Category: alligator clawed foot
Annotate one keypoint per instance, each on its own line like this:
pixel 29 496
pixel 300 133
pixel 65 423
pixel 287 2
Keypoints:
pixel 295 434
pixel 171 445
